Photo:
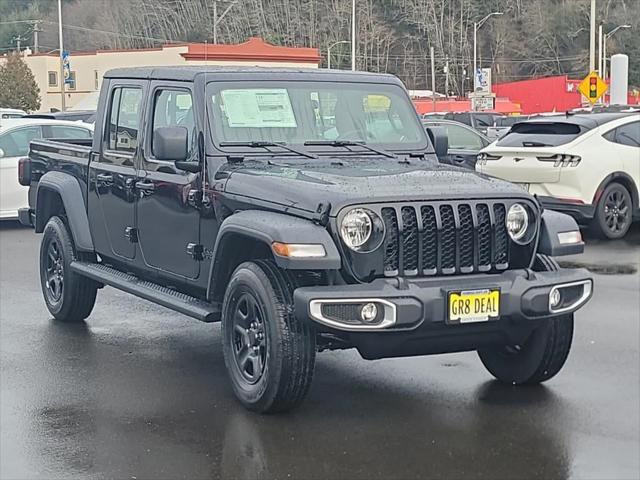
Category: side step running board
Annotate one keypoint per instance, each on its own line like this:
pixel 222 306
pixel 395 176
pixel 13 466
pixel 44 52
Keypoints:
pixel 180 302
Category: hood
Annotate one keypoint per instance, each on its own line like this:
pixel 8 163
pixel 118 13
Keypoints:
pixel 345 181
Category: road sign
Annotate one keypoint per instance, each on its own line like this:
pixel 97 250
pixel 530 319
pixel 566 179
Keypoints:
pixel 592 87
pixel 66 67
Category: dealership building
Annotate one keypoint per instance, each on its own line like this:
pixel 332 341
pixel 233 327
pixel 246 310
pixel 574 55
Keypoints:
pixel 87 68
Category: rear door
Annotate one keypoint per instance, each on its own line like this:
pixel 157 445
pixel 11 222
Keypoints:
pixel 14 145
pixel 168 217
pixel 113 172
pixel 626 140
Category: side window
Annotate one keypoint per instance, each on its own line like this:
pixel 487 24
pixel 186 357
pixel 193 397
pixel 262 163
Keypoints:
pixel 16 142
pixel 462 117
pixel 124 119
pixel 174 108
pixel 59 131
pixel 462 138
pixel 628 134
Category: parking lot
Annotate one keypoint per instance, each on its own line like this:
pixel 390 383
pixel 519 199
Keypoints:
pixel 141 392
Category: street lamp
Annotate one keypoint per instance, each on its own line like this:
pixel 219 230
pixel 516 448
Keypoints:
pixel 329 50
pixel 604 48
pixel 476 26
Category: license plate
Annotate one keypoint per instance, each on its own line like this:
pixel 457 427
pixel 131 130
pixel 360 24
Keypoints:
pixel 470 306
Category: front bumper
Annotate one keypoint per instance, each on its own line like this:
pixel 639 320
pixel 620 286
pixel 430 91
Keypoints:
pixel 583 213
pixel 417 310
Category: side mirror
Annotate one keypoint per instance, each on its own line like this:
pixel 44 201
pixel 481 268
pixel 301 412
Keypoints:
pixel 171 143
pixel 439 139
pixel 1 153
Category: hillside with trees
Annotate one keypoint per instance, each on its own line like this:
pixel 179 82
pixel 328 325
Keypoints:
pixel 532 38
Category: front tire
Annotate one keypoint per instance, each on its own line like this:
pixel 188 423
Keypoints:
pixel 69 297
pixel 268 352
pixel 613 212
pixel 541 356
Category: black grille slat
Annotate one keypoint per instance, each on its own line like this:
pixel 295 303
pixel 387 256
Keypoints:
pixel 409 241
pixel 501 248
pixel 448 239
pixel 465 238
pixel 391 242
pixel 484 237
pixel 429 241
pixel 443 238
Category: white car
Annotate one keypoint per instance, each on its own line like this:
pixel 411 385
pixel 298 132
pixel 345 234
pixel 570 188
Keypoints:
pixel 586 165
pixel 11 113
pixel 15 135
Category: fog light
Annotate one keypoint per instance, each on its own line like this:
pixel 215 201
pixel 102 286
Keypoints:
pixel 368 312
pixel 555 298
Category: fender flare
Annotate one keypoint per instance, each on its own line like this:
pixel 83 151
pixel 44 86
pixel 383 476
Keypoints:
pixel 68 188
pixel 627 181
pixel 267 227
pixel 551 224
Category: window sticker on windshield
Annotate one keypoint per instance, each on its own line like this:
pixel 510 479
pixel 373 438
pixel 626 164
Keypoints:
pixel 258 108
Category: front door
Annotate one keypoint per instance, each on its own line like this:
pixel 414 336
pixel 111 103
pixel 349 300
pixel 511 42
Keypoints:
pixel 167 208
pixel 113 174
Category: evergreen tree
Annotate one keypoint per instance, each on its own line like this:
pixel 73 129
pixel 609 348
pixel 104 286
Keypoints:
pixel 18 87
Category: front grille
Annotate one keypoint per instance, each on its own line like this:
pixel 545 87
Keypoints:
pixel 445 238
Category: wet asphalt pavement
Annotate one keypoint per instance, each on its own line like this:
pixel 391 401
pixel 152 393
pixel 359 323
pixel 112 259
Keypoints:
pixel 141 392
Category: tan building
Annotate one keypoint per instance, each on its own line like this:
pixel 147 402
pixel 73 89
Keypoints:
pixel 87 68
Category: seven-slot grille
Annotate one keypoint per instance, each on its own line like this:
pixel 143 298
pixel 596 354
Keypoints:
pixel 445 238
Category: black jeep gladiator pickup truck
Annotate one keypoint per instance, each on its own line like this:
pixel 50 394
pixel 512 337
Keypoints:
pixel 305 210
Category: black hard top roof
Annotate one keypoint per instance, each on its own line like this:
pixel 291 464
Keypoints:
pixel 188 73
pixel 586 120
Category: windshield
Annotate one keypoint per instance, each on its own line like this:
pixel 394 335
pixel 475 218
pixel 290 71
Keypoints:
pixel 540 134
pixel 299 112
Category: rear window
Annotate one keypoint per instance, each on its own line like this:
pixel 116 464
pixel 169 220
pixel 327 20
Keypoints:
pixel 541 134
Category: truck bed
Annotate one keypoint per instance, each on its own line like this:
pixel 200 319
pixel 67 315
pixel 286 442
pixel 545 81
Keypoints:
pixel 69 155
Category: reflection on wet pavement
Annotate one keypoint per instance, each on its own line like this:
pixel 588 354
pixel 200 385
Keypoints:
pixel 141 392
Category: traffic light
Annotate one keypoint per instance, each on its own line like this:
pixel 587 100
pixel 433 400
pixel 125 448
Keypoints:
pixel 593 87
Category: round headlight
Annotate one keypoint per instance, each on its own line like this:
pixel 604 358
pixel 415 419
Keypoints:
pixel 517 222
pixel 356 228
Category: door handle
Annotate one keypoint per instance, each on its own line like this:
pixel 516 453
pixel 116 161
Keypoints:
pixel 104 177
pixel 146 187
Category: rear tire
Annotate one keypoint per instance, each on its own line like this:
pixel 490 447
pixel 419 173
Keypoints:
pixel 541 356
pixel 268 352
pixel 613 214
pixel 69 297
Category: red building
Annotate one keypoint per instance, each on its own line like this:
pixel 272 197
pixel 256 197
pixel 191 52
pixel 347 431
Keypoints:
pixel 546 94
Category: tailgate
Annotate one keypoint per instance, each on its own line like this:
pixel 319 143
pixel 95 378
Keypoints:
pixel 521 166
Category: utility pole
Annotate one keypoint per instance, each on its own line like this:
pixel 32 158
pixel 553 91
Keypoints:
pixel 62 99
pixel 18 39
pixel 433 78
pixel 476 26
pixel 353 35
pixel 446 77
pixel 36 31
pixel 592 37
pixel 600 72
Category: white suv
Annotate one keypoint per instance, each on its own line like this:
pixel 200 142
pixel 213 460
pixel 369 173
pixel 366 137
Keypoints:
pixel 586 165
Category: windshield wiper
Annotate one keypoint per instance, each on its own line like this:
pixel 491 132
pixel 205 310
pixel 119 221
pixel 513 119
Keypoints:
pixel 264 144
pixel 350 143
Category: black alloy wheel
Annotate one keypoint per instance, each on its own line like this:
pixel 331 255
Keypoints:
pixel 613 214
pixel 54 281
pixel 269 352
pixel 616 211
pixel 69 297
pixel 249 338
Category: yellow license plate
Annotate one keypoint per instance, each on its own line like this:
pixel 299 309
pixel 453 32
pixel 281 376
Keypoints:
pixel 474 305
